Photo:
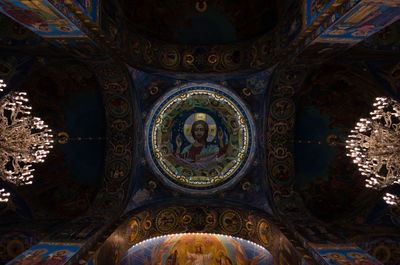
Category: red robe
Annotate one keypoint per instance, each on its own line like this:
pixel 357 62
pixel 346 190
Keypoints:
pixel 54 260
pixel 21 15
pixel 196 150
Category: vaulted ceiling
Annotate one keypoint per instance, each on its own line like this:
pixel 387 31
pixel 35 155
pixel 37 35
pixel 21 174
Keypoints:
pixel 107 88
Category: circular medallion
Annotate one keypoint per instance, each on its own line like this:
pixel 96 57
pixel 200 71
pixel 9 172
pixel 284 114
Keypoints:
pixel 134 229
pixel 281 172
pixel 118 106
pixel 282 108
pixel 15 247
pixel 119 125
pixel 230 221
pixel 263 231
pixel 147 224
pixel 200 138
pixel 170 57
pixel 380 252
pixel 186 219
pixel 117 170
pixel 166 220
pixel 232 59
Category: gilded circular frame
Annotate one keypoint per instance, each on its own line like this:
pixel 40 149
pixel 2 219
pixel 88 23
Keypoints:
pixel 199 138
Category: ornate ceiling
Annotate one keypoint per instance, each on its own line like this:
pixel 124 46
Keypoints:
pixel 201 22
pixel 182 37
pixel 292 92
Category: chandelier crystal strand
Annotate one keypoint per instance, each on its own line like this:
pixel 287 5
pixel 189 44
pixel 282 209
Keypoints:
pixel 374 144
pixel 4 195
pixel 392 199
pixel 2 85
pixel 24 139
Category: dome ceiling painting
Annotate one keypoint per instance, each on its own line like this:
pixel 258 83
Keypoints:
pixel 195 248
pixel 200 137
pixel 201 22
pixel 171 107
pixel 197 233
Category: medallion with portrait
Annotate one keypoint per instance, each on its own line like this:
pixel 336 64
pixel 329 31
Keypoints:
pixel 199 137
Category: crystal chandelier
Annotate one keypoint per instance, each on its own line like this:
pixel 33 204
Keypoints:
pixel 24 140
pixel 374 146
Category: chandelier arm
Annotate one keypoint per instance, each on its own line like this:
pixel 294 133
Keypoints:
pixel 374 145
pixel 24 140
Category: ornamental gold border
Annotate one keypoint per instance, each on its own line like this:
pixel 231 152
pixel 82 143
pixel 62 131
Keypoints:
pixel 185 96
pixel 246 126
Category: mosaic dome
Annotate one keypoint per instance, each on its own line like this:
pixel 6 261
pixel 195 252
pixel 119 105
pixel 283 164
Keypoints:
pixel 199 248
pixel 200 138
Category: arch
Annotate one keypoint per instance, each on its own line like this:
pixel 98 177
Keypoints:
pixel 169 219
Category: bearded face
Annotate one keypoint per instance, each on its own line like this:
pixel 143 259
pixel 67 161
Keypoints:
pixel 200 131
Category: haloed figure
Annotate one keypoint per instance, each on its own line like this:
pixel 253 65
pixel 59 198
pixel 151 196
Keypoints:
pixel 59 257
pixel 198 258
pixel 173 258
pixel 35 258
pixel 201 150
pixel 222 259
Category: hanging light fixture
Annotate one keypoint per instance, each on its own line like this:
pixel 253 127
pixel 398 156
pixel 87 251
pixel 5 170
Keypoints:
pixel 24 140
pixel 374 146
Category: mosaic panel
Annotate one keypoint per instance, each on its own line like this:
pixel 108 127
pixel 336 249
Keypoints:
pixel 209 249
pixel 45 255
pixel 347 256
pixel 166 224
pixel 362 21
pixel 40 17
pixel 199 137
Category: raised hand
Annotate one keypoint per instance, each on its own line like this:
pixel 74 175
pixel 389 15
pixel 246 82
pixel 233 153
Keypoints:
pixel 221 137
pixel 220 134
pixel 178 141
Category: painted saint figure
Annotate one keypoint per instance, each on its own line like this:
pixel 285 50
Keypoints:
pixel 34 258
pixel 24 16
pixel 201 151
pixel 57 258
pixel 173 258
pixel 222 259
pixel 198 258
pixel 35 13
